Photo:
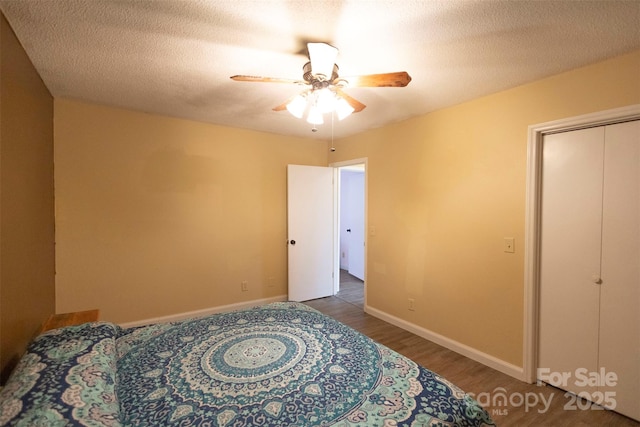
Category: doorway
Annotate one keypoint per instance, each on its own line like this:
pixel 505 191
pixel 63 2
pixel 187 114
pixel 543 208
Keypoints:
pixel 350 247
pixel 307 212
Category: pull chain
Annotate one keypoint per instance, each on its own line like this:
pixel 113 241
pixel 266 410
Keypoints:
pixel 332 149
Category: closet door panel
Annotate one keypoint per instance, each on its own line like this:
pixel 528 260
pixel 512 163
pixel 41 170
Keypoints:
pixel 620 291
pixel 571 216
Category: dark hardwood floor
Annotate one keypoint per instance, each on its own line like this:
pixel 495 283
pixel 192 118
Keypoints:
pixel 483 382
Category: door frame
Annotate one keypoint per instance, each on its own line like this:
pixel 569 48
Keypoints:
pixel 336 219
pixel 532 218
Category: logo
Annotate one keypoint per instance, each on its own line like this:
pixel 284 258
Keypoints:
pixel 583 378
pixel 500 400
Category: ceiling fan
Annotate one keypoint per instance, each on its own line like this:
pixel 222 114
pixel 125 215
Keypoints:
pixel 324 92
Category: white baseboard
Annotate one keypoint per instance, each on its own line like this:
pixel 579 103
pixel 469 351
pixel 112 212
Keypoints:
pixel 205 312
pixel 470 352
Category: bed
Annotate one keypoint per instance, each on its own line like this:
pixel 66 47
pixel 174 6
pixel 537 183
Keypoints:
pixel 283 364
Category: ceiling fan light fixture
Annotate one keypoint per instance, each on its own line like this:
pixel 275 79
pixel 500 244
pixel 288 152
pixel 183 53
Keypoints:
pixel 323 57
pixel 324 88
pixel 297 106
pixel 315 116
pixel 343 109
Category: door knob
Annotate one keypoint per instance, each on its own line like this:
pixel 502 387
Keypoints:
pixel 348 230
pixel 596 279
pixel 293 242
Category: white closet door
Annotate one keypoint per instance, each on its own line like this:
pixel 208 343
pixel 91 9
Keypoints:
pixel 620 291
pixel 570 253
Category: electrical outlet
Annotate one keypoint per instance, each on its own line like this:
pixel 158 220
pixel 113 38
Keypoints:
pixel 412 304
pixel 244 286
pixel 509 244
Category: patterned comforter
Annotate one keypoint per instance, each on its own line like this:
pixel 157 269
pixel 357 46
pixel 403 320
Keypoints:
pixel 283 364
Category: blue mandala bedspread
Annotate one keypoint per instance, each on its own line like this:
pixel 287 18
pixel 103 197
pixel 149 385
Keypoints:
pixel 283 364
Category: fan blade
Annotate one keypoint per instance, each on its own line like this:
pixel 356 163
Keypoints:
pixel 357 105
pixel 283 106
pixel 397 79
pixel 259 79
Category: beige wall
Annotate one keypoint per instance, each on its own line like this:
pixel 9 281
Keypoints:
pixel 26 200
pixel 446 188
pixel 157 216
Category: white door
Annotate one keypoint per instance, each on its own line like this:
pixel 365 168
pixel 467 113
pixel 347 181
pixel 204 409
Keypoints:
pixel 570 254
pixel 590 265
pixel 310 231
pixel 620 290
pixel 356 225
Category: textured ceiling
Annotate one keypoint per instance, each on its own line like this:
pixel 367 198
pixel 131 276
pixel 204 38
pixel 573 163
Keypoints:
pixel 175 57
